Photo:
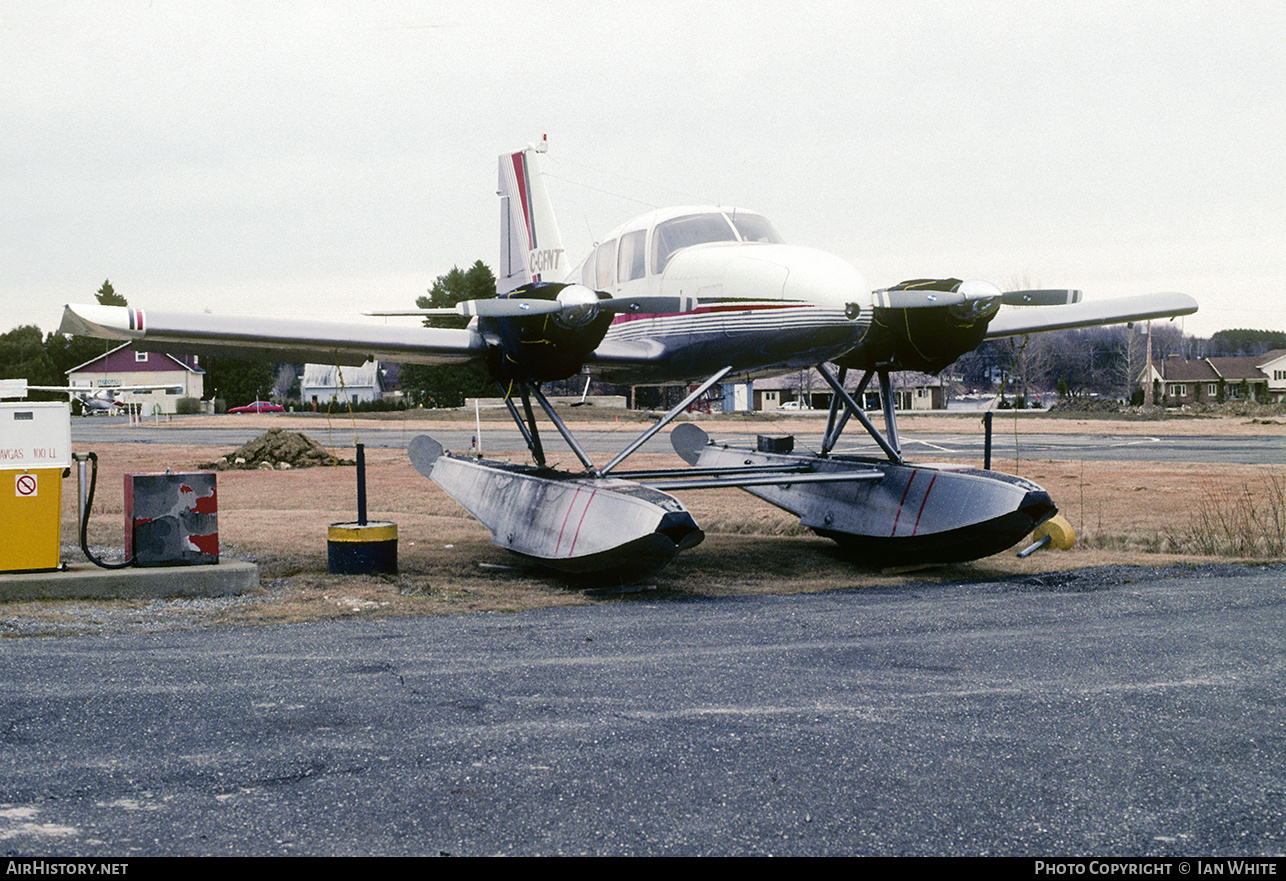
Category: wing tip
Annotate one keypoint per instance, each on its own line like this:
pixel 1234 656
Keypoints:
pixel 106 322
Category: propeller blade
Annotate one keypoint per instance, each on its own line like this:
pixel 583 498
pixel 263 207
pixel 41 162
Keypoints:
pixel 648 304
pixel 512 307
pixel 1048 297
pixel 948 292
pixel 889 299
pixel 403 313
pixel 497 308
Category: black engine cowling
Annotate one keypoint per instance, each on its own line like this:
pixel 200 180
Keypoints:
pixel 548 347
pixel 924 338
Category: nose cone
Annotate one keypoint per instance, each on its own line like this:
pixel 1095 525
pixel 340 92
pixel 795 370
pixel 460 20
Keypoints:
pixel 762 271
pixel 818 277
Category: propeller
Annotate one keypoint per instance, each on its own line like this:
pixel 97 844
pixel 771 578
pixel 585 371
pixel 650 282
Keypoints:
pixel 575 306
pixel 922 293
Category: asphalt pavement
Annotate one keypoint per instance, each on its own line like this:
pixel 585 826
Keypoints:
pixel 1126 712
pixel 1103 712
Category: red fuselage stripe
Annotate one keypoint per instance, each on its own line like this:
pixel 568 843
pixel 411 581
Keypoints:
pixel 708 310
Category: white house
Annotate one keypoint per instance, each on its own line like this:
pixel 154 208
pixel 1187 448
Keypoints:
pixel 326 383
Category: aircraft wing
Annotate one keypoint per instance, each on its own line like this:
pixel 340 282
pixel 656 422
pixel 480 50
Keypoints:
pixel 273 339
pixel 1036 319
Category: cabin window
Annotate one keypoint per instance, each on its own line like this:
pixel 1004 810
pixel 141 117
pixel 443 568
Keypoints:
pixel 683 232
pixel 755 228
pixel 630 262
pixel 605 258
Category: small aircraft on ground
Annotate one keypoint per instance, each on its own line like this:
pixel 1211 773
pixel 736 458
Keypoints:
pixel 693 295
pixel 93 399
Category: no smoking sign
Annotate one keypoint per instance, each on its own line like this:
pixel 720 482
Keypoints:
pixel 25 485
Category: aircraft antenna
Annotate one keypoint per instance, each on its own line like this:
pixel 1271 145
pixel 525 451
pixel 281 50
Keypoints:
pixel 618 176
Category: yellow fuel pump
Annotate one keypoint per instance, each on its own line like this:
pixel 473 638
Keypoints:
pixel 35 451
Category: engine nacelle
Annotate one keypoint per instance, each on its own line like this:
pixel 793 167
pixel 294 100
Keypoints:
pixel 551 346
pixel 924 338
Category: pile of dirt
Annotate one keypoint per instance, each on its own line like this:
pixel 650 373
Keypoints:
pixel 277 450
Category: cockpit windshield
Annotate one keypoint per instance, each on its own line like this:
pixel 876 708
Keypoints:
pixel 755 228
pixel 683 232
pixel 700 229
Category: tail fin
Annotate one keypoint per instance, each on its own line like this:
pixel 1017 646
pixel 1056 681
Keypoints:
pixel 531 248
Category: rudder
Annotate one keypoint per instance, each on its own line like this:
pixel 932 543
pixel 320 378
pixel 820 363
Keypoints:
pixel 531 247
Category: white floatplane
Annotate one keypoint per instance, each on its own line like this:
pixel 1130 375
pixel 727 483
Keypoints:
pixel 694 295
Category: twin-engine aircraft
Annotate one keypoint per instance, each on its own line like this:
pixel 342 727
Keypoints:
pixel 693 295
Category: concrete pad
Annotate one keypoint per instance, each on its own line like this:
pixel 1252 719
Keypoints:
pixel 84 580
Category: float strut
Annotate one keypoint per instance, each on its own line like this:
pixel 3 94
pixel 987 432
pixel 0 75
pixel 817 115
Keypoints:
pixel 665 420
pixel 856 410
pixel 562 428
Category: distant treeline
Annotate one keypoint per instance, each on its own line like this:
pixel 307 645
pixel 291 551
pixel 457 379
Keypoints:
pixel 1243 341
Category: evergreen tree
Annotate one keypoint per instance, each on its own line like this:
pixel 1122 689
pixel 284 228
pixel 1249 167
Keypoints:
pixel 23 356
pixel 107 295
pixel 237 380
pixel 67 352
pixel 446 386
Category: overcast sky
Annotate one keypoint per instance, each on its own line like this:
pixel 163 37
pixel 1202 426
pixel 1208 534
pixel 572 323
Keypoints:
pixel 333 157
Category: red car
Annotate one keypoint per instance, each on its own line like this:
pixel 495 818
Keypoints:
pixel 258 407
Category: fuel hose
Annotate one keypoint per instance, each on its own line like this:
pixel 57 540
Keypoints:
pixel 84 519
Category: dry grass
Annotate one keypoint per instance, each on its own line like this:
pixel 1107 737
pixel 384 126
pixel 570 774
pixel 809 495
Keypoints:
pixel 1244 522
pixel 1228 512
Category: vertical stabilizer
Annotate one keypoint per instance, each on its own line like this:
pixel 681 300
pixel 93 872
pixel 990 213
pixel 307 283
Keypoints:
pixel 531 248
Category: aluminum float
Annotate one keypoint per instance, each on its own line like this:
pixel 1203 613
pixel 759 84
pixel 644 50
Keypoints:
pixel 881 511
pixel 574 523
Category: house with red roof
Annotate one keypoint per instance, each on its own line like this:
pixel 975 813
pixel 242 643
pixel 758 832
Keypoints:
pixel 1256 378
pixel 180 376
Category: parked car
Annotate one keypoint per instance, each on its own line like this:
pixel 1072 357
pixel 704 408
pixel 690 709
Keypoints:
pixel 258 407
pixel 794 405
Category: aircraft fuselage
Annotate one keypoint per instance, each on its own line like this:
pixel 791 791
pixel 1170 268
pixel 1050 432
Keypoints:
pixel 762 306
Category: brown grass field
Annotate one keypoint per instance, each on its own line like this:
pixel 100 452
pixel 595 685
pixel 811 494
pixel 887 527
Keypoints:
pixel 1123 513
